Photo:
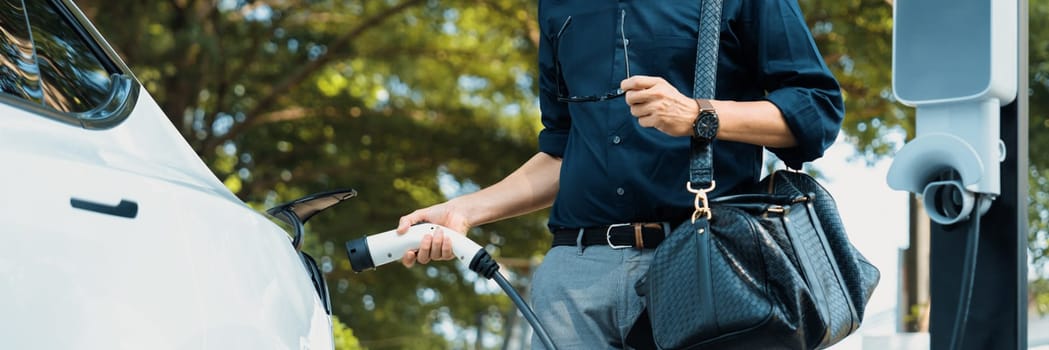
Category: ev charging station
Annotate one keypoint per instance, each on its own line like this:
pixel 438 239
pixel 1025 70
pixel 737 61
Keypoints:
pixel 960 63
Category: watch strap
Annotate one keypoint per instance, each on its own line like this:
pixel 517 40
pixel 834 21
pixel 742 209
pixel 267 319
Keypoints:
pixel 704 105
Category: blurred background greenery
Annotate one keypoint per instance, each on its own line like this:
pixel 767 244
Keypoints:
pixel 415 101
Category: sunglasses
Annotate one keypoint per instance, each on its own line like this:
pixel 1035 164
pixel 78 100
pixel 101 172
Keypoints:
pixel 561 87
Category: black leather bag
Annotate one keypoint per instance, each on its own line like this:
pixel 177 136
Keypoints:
pixel 772 269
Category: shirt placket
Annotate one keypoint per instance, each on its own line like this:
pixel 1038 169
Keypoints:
pixel 618 153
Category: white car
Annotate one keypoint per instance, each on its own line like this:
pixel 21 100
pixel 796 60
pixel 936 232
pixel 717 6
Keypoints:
pixel 113 233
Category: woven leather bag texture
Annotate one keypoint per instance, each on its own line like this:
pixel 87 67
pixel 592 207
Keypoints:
pixel 769 270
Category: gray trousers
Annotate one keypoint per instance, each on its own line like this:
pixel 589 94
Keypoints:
pixel 584 296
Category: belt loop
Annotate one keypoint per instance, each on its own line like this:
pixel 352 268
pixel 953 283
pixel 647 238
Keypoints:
pixel 579 241
pixel 639 241
pixel 666 229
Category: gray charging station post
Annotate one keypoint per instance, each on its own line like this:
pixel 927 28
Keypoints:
pixel 961 64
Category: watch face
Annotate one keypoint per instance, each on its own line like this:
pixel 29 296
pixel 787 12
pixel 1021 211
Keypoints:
pixel 706 126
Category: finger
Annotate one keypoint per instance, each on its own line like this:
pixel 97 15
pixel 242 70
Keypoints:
pixel 436 251
pixel 446 250
pixel 408 259
pixel 407 221
pixel 647 121
pixel 641 110
pixel 637 97
pixel 424 249
pixel 639 82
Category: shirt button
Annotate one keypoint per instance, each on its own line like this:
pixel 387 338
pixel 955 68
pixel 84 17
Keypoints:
pixel 616 139
pixel 620 191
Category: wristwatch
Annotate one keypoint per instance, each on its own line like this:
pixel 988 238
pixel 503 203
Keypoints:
pixel 706 125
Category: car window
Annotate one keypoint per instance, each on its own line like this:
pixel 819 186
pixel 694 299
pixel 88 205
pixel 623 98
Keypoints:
pixel 19 75
pixel 50 64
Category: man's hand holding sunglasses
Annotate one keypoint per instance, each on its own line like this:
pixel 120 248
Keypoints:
pixel 657 104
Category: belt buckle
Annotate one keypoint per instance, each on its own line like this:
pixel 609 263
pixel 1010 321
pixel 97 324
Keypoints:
pixel 608 237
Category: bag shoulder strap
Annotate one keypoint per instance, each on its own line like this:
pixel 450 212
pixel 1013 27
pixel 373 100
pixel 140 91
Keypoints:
pixel 707 49
pixel 701 160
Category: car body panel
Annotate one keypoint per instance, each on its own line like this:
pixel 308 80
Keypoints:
pixel 193 268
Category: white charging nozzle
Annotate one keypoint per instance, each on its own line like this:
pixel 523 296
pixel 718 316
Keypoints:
pixel 382 248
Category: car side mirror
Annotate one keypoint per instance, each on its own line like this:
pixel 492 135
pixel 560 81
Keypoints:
pixel 297 212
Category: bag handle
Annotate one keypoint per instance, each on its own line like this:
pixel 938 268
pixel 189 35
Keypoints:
pixel 701 159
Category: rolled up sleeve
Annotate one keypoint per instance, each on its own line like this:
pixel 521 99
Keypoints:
pixel 796 80
pixel 555 116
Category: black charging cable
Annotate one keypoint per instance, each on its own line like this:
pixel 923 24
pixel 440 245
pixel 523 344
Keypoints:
pixel 968 275
pixel 484 265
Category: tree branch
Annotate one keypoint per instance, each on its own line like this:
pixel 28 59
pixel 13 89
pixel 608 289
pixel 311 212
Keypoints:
pixel 309 69
pixel 175 5
pixel 284 115
pixel 531 24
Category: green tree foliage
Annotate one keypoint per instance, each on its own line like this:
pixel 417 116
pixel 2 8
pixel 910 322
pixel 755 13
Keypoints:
pixel 407 101
pixel 1038 95
pixel 855 37
pixel 343 336
pixel 415 101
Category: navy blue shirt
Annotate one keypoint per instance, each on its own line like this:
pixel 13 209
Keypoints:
pixel 616 171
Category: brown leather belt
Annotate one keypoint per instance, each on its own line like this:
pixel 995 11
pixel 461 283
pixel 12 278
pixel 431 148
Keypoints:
pixel 637 235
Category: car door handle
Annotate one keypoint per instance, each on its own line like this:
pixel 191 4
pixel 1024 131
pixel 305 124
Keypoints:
pixel 125 209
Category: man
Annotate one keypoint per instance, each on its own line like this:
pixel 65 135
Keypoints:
pixel 614 164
